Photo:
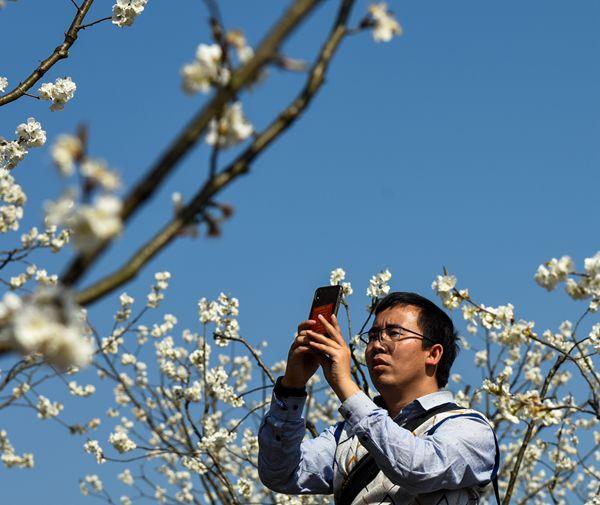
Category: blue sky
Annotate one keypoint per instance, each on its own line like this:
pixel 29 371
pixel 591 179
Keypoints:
pixel 471 142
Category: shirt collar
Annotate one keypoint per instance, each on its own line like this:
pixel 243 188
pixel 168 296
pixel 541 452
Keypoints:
pixel 434 399
pixel 420 405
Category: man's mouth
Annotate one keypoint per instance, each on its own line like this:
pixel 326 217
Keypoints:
pixel 379 362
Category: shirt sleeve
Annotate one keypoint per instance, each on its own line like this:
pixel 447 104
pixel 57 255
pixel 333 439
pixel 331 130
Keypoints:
pixel 460 453
pixel 286 463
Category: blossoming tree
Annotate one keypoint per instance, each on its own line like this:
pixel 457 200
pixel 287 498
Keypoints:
pixel 187 402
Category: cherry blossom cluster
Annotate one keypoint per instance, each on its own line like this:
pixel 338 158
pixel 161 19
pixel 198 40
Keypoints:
pixel 562 270
pixel 90 483
pixel 12 200
pixel 8 456
pixel 379 284
pixel 124 12
pixel 223 313
pixel 51 238
pixel 12 197
pixel 230 128
pixel 59 92
pixel 87 223
pixel 385 25
pixel 48 323
pixel 336 278
pixel 29 135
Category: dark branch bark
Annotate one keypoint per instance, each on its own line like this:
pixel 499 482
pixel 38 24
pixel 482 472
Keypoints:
pixel 182 145
pixel 239 167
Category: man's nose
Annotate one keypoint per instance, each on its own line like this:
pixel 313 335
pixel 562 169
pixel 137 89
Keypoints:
pixel 378 343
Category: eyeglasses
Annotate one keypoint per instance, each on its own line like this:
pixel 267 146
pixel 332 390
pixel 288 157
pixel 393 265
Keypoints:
pixel 391 333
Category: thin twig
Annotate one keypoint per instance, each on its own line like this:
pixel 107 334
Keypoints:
pixel 83 27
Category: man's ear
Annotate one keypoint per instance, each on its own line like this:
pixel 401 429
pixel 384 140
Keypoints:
pixel 434 354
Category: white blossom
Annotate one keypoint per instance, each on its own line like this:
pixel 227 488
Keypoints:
pixel 20 390
pixel 94 223
pixel 244 52
pixel 444 283
pixel 46 409
pixel 193 393
pixel 216 380
pixel 11 153
pixel 47 280
pixel 3 84
pixel 128 359
pixel 554 271
pixel 194 465
pixel 82 391
pixel 124 311
pixel 48 323
pixel 121 442
pixel 124 12
pixel 65 152
pixel 386 25
pixel 337 275
pixel 8 456
pixel 209 312
pixel 378 285
pixel 481 358
pixel 594 337
pixel 30 134
pixel 126 478
pixel 92 482
pixel 12 200
pixel 160 494
pixel 245 487
pixel 98 172
pixel 231 128
pixel 444 286
pixel 59 93
pixel 455 377
pixel 217 440
pixel 205 71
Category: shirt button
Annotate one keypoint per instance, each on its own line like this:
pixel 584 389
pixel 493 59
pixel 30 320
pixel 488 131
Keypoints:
pixel 278 438
pixel 295 407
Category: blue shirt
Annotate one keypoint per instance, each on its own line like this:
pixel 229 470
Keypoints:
pixel 460 453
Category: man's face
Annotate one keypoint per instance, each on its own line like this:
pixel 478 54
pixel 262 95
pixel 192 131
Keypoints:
pixel 397 364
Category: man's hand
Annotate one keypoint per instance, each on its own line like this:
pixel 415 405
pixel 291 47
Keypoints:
pixel 302 362
pixel 336 367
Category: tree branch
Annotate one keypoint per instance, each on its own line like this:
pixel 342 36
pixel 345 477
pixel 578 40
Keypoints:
pixel 514 473
pixel 60 53
pixel 239 167
pixel 182 145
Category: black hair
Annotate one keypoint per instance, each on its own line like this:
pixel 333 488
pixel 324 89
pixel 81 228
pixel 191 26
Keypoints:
pixel 434 323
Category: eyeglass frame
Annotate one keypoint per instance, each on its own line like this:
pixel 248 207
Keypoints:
pixel 391 326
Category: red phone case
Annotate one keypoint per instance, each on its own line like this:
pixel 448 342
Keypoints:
pixel 325 302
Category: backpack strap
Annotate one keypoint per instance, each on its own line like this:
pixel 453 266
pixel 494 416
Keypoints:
pixel 366 469
pixel 494 476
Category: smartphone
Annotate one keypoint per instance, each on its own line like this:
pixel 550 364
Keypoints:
pixel 325 302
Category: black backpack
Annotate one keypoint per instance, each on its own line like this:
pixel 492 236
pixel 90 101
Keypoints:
pixel 366 469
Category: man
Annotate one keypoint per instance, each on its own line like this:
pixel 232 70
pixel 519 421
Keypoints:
pixel 411 445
